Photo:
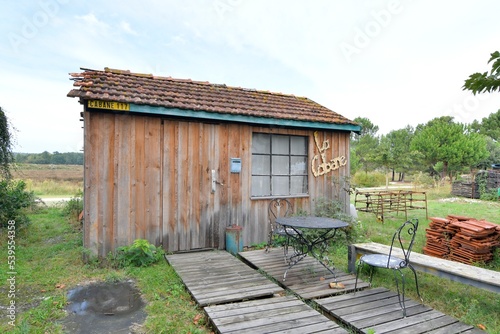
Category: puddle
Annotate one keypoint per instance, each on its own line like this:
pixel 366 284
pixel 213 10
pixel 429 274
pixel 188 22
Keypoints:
pixel 104 308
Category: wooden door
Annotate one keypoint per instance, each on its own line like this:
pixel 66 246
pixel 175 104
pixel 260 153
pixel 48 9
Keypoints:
pixel 189 162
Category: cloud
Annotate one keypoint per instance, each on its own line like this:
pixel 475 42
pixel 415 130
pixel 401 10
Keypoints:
pixel 89 23
pixel 125 26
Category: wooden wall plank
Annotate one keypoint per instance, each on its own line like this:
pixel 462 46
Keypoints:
pixel 194 188
pixel 152 177
pixel 215 200
pixel 204 195
pixel 122 193
pixel 182 186
pixel 223 177
pixel 234 179
pixel 91 219
pixel 106 184
pixel 251 227
pixel 137 211
pixel 170 240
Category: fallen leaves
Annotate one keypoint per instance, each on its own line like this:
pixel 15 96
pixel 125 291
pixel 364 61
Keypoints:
pixel 197 319
pixel 337 285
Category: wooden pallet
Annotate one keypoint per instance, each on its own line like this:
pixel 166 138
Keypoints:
pixel 285 314
pixel 308 279
pixel 378 311
pixel 215 277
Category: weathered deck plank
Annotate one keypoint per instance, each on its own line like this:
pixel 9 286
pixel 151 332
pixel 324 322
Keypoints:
pixel 218 277
pixel 378 310
pixel 285 314
pixel 309 279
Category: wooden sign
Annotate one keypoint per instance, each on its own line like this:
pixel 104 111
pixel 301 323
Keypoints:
pixel 319 163
pixel 109 105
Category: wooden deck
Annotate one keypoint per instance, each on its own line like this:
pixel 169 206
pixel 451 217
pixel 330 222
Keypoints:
pixel 308 278
pixel 241 299
pixel 217 277
pixel 378 310
pixel 285 314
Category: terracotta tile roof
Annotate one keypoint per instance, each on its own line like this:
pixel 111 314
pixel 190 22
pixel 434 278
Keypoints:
pixel 147 89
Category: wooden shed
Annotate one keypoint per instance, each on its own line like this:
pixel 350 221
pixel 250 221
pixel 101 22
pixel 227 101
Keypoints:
pixel 178 161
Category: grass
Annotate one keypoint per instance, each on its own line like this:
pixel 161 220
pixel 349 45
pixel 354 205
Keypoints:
pixel 49 262
pixel 51 188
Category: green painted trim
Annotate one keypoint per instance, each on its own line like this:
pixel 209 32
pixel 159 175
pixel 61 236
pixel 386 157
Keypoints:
pixel 214 116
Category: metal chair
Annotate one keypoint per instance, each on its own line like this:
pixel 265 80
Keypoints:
pixel 402 239
pixel 278 207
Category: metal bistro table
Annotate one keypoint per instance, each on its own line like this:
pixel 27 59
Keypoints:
pixel 314 244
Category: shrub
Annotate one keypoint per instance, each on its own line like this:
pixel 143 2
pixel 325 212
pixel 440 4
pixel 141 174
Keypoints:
pixel 74 206
pixel 370 179
pixel 334 209
pixel 140 254
pixel 14 202
pixel 424 180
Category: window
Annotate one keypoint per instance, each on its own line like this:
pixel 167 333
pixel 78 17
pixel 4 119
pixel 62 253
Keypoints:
pixel 279 165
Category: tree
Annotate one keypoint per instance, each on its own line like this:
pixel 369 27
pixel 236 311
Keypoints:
pixel 489 126
pixel 394 151
pixel 6 156
pixel 452 144
pixel 493 147
pixel 14 198
pixel 364 145
pixel 485 82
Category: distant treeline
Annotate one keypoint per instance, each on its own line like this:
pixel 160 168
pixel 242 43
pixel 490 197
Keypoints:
pixel 56 158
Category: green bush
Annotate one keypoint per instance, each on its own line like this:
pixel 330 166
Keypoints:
pixel 334 209
pixel 370 179
pixel 140 254
pixel 74 206
pixel 14 202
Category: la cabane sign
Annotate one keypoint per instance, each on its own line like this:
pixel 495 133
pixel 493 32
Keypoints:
pixel 319 163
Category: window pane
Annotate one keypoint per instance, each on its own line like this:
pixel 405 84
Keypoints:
pixel 261 143
pixel 281 145
pixel 299 145
pixel 281 185
pixel 261 164
pixel 299 185
pixel 280 165
pixel 298 166
pixel 261 186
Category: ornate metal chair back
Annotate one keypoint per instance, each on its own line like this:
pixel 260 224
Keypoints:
pixel 404 238
pixel 278 207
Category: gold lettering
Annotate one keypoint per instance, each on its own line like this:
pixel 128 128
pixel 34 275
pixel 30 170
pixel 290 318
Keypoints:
pixel 110 105
pixel 324 166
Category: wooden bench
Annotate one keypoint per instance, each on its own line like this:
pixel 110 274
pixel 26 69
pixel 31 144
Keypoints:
pixel 455 271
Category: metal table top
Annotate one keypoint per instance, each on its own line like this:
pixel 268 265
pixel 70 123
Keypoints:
pixel 311 222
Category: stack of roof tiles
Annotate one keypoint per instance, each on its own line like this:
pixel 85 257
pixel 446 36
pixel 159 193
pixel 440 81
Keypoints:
pixel 462 239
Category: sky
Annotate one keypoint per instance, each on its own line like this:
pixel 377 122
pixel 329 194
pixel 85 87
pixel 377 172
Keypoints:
pixel 395 62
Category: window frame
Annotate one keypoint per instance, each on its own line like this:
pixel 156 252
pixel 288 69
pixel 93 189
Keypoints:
pixel 289 155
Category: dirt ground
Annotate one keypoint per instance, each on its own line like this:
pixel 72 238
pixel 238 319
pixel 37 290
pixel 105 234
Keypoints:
pixel 48 172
